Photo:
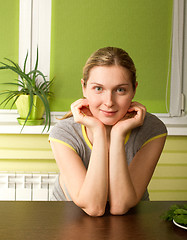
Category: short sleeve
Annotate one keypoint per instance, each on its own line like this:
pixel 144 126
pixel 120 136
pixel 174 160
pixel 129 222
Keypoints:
pixel 66 132
pixel 152 128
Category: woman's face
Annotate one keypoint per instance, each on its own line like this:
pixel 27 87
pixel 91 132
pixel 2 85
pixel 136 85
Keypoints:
pixel 109 92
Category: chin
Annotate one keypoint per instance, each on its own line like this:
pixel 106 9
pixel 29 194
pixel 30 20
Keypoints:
pixel 109 122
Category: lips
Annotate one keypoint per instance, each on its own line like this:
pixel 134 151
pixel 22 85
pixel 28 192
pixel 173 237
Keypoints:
pixel 108 113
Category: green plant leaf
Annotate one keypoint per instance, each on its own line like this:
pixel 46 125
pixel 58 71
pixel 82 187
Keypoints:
pixel 181 219
pixel 176 212
pixel 35 69
pixel 9 98
pixel 15 64
pixel 25 62
pixel 44 99
pixel 14 84
pixel 15 99
pixel 39 74
pixel 20 73
pixel 180 211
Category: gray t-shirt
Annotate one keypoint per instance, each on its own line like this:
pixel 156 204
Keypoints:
pixel 73 135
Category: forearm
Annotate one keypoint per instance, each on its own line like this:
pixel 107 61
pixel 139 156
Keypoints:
pixel 94 190
pixel 122 194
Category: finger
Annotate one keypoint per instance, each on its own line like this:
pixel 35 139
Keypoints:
pixel 140 112
pixel 75 108
pixel 135 106
pixel 80 109
pixel 82 101
pixel 86 111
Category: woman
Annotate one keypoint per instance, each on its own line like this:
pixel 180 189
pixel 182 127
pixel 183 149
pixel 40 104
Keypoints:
pixel 109 148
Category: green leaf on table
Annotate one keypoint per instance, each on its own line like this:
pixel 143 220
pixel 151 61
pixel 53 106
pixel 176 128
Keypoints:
pixel 178 213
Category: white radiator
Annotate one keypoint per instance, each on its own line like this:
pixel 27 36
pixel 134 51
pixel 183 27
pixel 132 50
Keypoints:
pixel 15 186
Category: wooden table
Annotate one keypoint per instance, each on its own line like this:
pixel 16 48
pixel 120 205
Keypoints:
pixel 64 220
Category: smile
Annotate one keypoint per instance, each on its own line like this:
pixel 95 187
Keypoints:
pixel 108 113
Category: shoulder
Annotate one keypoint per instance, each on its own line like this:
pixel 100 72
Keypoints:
pixel 152 128
pixel 68 132
pixel 65 125
pixel 154 123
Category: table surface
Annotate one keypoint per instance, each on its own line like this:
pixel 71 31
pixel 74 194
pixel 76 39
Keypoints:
pixel 64 220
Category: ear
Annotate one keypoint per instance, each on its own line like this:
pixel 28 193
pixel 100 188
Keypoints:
pixel 136 85
pixel 83 88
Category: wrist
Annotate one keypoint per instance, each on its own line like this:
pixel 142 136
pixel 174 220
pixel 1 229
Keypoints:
pixel 118 133
pixel 99 131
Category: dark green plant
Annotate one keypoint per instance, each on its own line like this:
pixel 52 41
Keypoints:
pixel 177 213
pixel 28 84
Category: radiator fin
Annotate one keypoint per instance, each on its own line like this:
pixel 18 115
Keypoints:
pixel 16 186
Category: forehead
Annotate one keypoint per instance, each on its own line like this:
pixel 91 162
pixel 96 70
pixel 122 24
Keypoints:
pixel 109 74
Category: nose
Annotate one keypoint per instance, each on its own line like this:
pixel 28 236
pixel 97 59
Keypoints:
pixel 109 101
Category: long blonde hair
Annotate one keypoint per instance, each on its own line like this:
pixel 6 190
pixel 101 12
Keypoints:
pixel 108 56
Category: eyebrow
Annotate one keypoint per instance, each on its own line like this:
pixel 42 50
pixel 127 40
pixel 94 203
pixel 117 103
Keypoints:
pixel 123 84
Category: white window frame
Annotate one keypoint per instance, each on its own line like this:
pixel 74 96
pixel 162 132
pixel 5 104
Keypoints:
pixel 177 59
pixel 35 31
pixel 176 119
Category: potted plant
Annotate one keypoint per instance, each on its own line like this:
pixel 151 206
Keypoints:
pixel 32 94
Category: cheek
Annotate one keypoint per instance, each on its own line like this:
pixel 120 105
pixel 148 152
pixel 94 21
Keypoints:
pixel 124 105
pixel 94 108
pixel 93 104
pixel 93 100
pixel 125 102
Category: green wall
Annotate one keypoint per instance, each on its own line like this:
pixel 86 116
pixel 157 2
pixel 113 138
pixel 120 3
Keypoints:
pixel 142 28
pixel 9 37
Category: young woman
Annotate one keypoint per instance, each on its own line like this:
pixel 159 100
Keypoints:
pixel 109 148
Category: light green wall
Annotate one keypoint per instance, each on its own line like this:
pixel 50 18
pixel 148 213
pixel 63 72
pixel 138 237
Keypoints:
pixel 32 153
pixel 26 153
pixel 9 37
pixel 142 27
pixel 169 181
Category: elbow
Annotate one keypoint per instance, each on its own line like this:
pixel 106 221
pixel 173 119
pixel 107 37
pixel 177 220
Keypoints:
pixel 92 208
pixel 95 211
pixel 121 208
pixel 118 210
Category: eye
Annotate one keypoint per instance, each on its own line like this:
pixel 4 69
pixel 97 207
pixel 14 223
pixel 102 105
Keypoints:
pixel 98 89
pixel 121 90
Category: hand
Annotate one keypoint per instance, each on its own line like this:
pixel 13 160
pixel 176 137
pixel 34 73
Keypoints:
pixel 132 119
pixel 81 113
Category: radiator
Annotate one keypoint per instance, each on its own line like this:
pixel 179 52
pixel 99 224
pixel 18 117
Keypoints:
pixel 16 186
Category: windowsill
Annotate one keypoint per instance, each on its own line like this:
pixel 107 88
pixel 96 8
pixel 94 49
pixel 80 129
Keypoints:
pixel 15 128
pixel 176 126
pixel 11 125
